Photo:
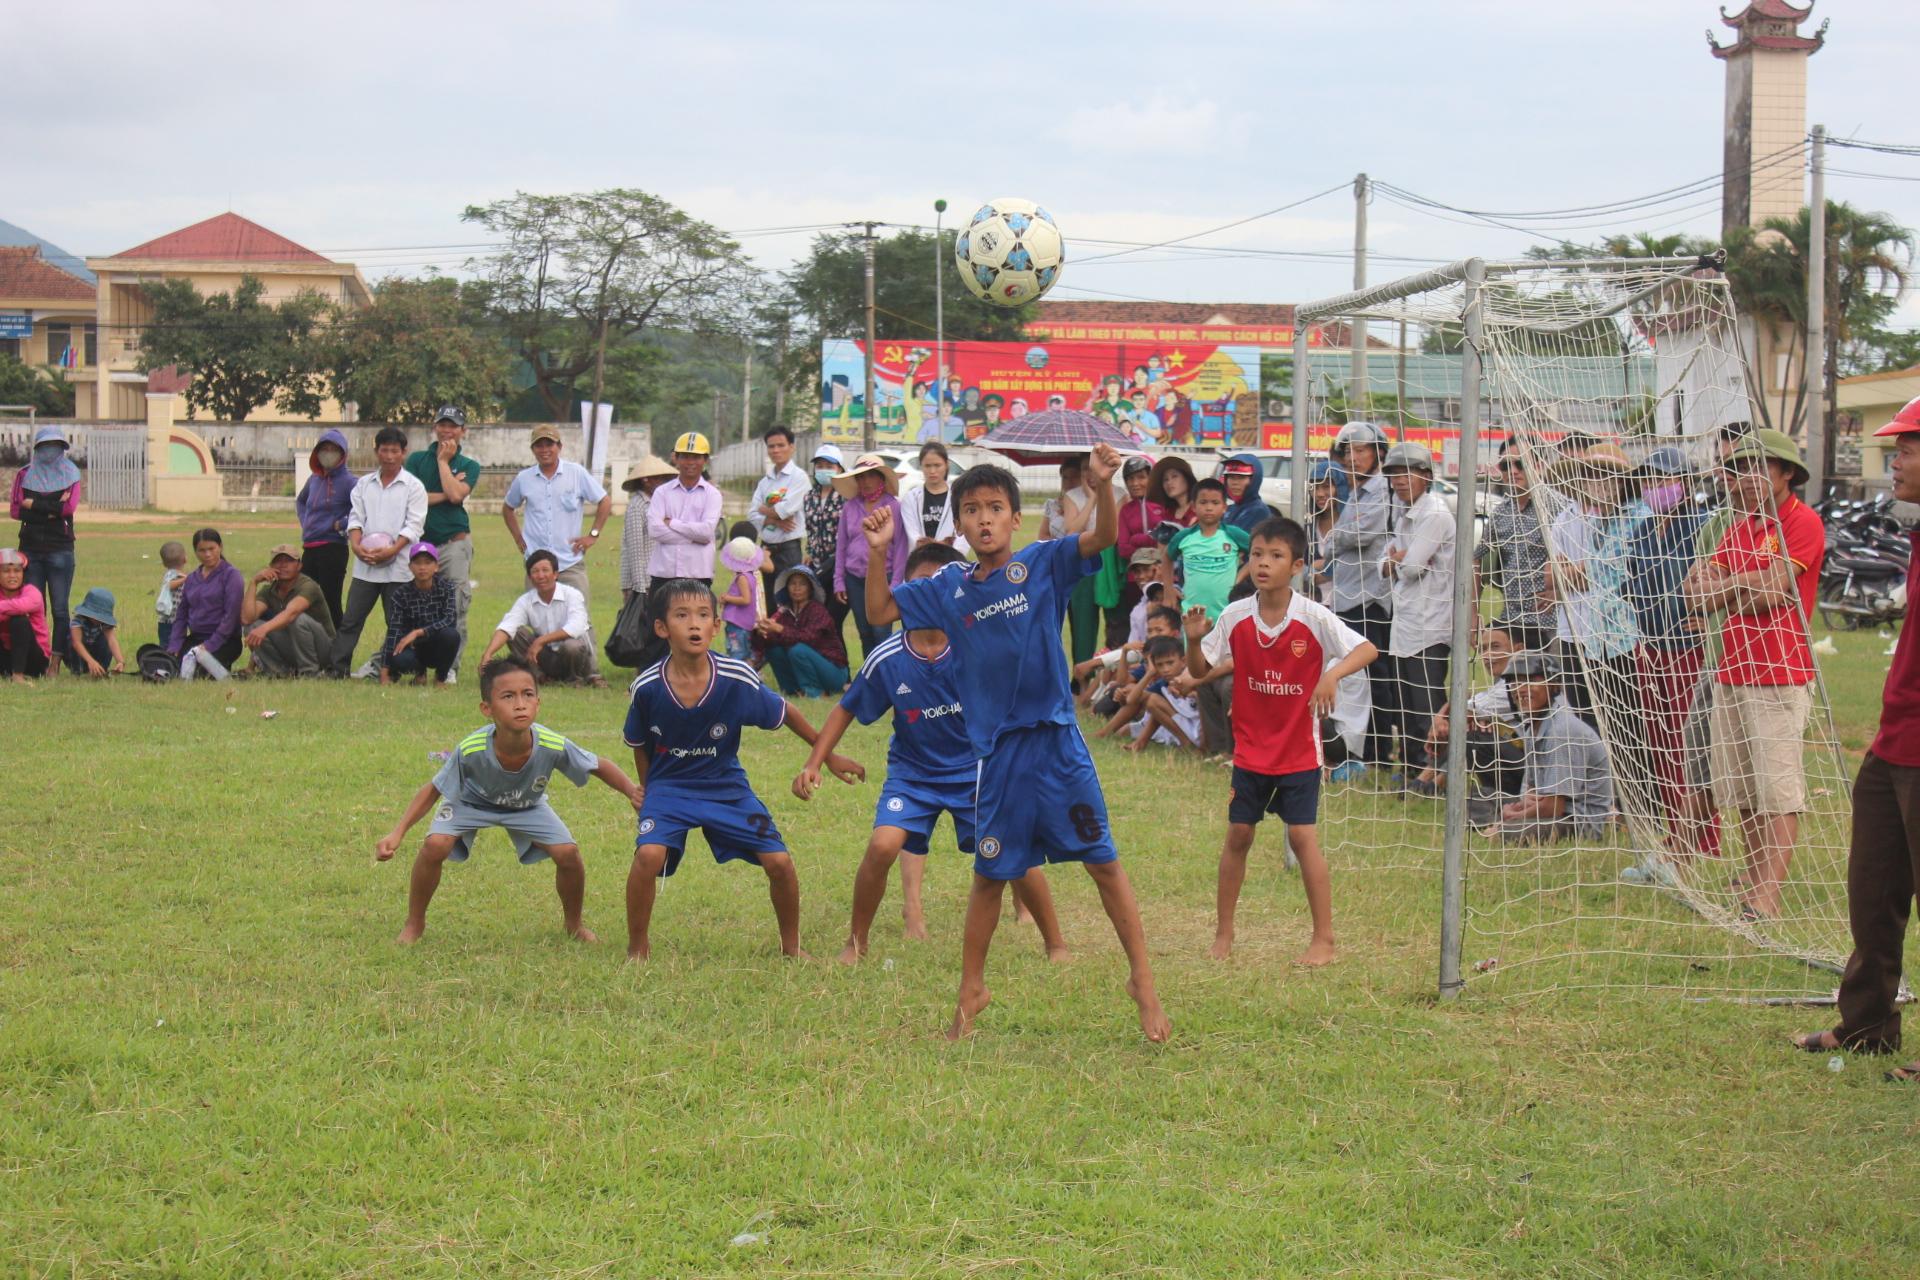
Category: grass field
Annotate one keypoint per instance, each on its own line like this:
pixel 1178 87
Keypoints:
pixel 215 1063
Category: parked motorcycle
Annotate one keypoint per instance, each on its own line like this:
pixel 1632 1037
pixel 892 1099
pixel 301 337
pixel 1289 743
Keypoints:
pixel 1863 580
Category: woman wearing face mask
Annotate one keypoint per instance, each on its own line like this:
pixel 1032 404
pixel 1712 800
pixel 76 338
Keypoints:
pixel 45 493
pixel 322 503
pixel 821 511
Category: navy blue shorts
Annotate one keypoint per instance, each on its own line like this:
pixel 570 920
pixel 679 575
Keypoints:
pixel 1037 799
pixel 915 807
pixel 1294 798
pixel 735 823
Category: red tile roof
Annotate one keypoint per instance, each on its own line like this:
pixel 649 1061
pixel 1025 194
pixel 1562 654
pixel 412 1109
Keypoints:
pixel 25 274
pixel 225 237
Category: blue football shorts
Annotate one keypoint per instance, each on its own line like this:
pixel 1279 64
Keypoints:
pixel 915 806
pixel 1037 799
pixel 734 821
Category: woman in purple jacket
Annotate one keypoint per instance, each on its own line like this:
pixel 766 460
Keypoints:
pixel 871 485
pixel 207 621
pixel 322 504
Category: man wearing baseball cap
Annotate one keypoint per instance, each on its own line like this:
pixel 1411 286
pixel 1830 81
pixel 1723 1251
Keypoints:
pixel 450 477
pixel 1883 864
pixel 285 617
pixel 554 493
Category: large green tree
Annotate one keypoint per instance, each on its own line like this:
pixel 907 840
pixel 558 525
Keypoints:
pixel 824 296
pixel 45 390
pixel 238 350
pixel 580 277
pixel 418 346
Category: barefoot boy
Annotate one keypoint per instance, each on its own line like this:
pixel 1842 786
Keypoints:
pixel 497 777
pixel 1037 798
pixel 684 727
pixel 930 769
pixel 1286 655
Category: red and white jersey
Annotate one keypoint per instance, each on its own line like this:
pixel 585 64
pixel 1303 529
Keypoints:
pixel 1274 672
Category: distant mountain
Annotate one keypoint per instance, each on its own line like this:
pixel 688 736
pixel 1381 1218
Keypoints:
pixel 72 264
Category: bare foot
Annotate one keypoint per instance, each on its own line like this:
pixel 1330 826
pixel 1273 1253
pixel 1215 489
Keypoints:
pixel 1153 1019
pixel 798 953
pixel 1222 946
pixel 581 933
pixel 1319 952
pixel 1059 954
pixel 971 1004
pixel 914 927
pixel 639 952
pixel 852 953
pixel 411 934
pixel 1817 1041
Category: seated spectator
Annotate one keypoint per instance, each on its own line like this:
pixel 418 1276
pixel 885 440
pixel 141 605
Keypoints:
pixel 1143 579
pixel 1566 782
pixel 547 626
pixel 1168 717
pixel 1108 678
pixel 93 649
pixel 423 622
pixel 24 642
pixel 206 626
pixel 801 641
pixel 741 607
pixel 1495 757
pixel 285 616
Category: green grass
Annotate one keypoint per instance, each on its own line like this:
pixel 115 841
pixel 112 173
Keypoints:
pixel 216 1064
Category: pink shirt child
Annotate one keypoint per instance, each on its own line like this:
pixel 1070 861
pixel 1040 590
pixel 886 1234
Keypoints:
pixel 27 601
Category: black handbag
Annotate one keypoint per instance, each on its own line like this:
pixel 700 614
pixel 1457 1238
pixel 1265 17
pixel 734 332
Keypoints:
pixel 632 635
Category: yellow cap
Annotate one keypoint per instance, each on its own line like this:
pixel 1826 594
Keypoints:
pixel 692 442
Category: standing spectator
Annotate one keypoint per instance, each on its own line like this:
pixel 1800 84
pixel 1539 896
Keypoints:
pixel 683 516
pixel 801 640
pixel 1883 863
pixel 1323 508
pixel 822 511
pixel 1211 555
pixel 926 508
pixel 636 542
pixel 547 626
pixel 1513 556
pixel 23 621
pixel 1764 575
pixel 1246 509
pixel 555 492
pixel 323 504
pixel 206 630
pixel 1697 737
pixel 173 559
pixel 1067 516
pixel 1138 516
pixel 777 507
pixel 1359 594
pixel 869 487
pixel 423 633
pixel 1418 565
pixel 743 602
pixel 449 476
pixel 284 618
pixel 389 507
pixel 46 492
pixel 94 647
pixel 1658 560
pixel 1170 486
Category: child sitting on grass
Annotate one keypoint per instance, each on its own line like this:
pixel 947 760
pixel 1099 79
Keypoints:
pixel 684 727
pixel 1123 700
pixel 1167 716
pixel 94 647
pixel 497 777
pixel 1286 655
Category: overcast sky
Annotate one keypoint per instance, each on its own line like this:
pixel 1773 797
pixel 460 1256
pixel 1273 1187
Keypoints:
pixel 362 129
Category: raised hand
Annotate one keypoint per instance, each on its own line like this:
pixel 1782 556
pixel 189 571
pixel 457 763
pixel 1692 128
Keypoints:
pixel 879 528
pixel 1194 623
pixel 1102 463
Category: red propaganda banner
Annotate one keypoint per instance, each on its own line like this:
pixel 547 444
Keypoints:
pixel 1160 393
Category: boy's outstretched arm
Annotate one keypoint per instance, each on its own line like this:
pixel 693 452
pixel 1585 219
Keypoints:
pixel 1194 623
pixel 881 608
pixel 808 779
pixel 847 770
pixel 1358 659
pixel 614 776
pixel 417 808
pixel 1101 465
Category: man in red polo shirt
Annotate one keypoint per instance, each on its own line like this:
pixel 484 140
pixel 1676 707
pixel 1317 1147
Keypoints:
pixel 1764 576
pixel 1883 865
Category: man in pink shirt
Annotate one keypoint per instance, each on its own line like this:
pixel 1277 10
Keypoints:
pixel 682 517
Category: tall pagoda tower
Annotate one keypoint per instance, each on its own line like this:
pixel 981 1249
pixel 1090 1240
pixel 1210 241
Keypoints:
pixel 1766 106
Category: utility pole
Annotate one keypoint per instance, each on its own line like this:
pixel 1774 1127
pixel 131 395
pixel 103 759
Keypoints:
pixel 779 371
pixel 866 436
pixel 716 418
pixel 1814 389
pixel 939 321
pixel 746 398
pixel 1356 327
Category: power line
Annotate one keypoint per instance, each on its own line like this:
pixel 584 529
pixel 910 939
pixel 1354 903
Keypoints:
pixel 1226 226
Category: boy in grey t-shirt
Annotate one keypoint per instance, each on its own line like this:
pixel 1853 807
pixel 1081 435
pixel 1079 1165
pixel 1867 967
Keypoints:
pixel 1567 788
pixel 497 777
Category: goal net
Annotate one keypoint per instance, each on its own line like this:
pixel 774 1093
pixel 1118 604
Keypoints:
pixel 1645 789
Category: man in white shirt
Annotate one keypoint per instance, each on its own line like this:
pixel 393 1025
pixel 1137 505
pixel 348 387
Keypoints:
pixel 547 626
pixel 1418 566
pixel 554 494
pixel 386 512
pixel 775 508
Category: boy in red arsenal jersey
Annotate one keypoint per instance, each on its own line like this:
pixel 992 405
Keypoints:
pixel 1287 655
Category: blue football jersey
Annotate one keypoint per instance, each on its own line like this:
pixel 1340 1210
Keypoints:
pixel 930 742
pixel 700 743
pixel 1005 629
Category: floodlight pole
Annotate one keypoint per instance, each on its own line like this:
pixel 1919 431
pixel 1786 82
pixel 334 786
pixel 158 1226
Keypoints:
pixel 1815 395
pixel 939 326
pixel 1297 487
pixel 866 434
pixel 1460 673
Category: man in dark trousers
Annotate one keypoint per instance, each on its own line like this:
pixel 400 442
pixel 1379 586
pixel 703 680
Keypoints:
pixel 1883 865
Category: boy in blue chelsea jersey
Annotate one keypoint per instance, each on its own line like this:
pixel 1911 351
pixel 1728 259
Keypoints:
pixel 930 770
pixel 1037 798
pixel 684 727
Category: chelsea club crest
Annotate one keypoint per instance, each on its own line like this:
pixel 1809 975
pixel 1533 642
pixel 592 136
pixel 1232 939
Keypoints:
pixel 1017 572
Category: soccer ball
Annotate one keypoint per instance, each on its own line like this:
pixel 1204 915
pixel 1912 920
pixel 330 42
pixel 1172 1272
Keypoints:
pixel 1010 253
pixel 376 541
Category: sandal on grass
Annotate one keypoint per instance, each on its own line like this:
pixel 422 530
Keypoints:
pixel 1904 1075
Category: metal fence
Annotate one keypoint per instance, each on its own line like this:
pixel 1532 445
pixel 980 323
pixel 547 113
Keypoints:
pixel 112 458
